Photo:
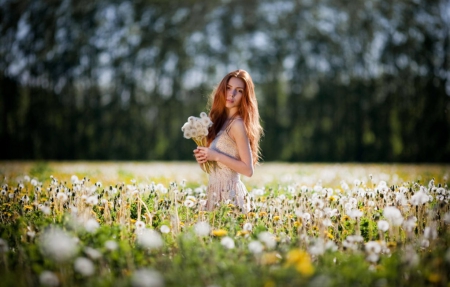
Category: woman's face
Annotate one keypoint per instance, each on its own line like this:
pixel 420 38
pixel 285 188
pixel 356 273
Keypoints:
pixel 235 92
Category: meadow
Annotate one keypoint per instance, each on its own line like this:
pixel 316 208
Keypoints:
pixel 143 224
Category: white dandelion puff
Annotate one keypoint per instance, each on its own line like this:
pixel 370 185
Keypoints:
pixel 268 239
pixel 147 278
pixel 150 239
pixel 393 215
pixel 383 225
pixel 164 229
pixel 255 247
pixel 227 242
pixel 91 225
pixel 48 278
pixel 202 228
pixel 57 244
pixel 84 266
pixel 111 245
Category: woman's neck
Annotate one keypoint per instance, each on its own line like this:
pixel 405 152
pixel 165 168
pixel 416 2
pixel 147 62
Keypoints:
pixel 231 113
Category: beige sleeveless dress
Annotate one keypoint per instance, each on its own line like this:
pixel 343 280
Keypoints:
pixel 225 185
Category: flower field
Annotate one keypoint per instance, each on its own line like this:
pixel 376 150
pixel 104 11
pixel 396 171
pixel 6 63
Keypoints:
pixel 143 224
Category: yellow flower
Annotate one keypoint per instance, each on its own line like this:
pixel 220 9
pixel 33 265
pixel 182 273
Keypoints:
pixel 262 214
pixel 301 260
pixel 392 244
pixel 269 283
pixel 219 232
pixel 332 198
pixel 132 221
pixel 276 218
pixel 230 205
pixel 28 207
pixel 251 214
pixel 434 278
pixel 329 235
pixel 345 218
pixel 297 224
pixel 263 199
pixel 242 232
pixel 270 258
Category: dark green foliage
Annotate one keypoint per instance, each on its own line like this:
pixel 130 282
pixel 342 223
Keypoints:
pixel 116 80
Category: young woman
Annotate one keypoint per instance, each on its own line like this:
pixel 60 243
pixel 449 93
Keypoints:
pixel 233 140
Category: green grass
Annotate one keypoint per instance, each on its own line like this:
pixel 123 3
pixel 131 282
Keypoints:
pixel 296 251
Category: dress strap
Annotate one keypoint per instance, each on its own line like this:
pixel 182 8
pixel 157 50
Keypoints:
pixel 229 124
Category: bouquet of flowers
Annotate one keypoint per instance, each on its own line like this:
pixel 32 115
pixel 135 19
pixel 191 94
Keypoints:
pixel 197 129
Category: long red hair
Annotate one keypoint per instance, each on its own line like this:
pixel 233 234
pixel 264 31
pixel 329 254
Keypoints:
pixel 248 111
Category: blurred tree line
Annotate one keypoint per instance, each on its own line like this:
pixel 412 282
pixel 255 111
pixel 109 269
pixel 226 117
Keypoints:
pixel 336 80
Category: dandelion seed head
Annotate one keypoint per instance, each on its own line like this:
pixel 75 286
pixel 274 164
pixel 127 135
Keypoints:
pixel 164 229
pixel 84 266
pixel 383 225
pixel 393 215
pixel 91 225
pixel 227 242
pixel 147 278
pixel 111 245
pixel 3 246
pixel 268 239
pixel 202 228
pixel 255 247
pixel 150 239
pixel 248 226
pixel 48 278
pixel 57 244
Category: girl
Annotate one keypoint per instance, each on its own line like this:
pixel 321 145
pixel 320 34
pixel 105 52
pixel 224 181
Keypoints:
pixel 233 139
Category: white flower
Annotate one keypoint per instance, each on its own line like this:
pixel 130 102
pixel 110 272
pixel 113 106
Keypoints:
pixel 45 209
pixel 317 188
pixel 61 197
pixel 91 225
pixel 94 254
pixel 25 199
pixel 447 218
pixel 430 233
pixel 189 203
pixel 48 278
pixel 74 179
pixel 383 225
pixel 92 200
pixel 447 256
pixel 419 198
pixel 202 228
pixel 147 278
pixel 57 244
pixel 164 229
pixel 84 266
pixel 318 248
pixel 3 246
pixel 139 225
pixel 149 238
pixel 393 215
pixel 227 242
pixel 255 247
pixel 267 238
pixel 373 247
pixel 355 213
pixel 111 245
pixel 306 216
pixel 410 224
pixel 34 182
pixel 248 226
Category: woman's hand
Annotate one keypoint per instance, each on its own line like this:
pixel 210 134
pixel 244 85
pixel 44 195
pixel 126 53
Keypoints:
pixel 204 154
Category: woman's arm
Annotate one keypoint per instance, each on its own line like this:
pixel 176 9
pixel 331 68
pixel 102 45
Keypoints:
pixel 244 165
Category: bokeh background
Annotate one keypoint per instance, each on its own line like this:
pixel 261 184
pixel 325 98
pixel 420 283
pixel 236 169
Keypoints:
pixel 337 81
